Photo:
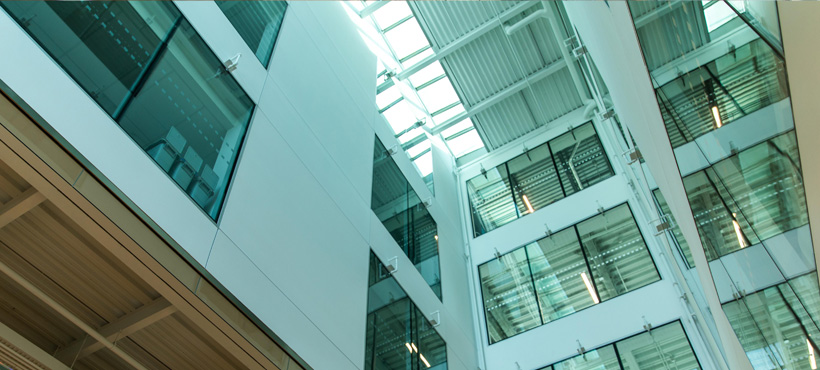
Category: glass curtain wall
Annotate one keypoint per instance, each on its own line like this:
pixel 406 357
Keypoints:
pixel 741 172
pixel 398 336
pixel 596 260
pixel 537 178
pixel 664 348
pixel 258 23
pixel 144 64
pixel 406 218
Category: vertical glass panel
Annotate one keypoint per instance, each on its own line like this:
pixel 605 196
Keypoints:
pixel 580 159
pixel 509 303
pixel 774 328
pixel 618 257
pixel 404 215
pixel 398 335
pixel 665 348
pixel 190 116
pixel 678 241
pixel 104 45
pixel 599 359
pixel 491 200
pixel 766 186
pixel 534 180
pixel 561 275
pixel 722 91
pixel 258 23
pixel 714 220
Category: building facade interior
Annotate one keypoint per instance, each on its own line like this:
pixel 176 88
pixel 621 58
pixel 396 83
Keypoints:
pixel 409 185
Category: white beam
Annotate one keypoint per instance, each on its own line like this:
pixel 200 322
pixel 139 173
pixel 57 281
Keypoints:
pixel 465 39
pixel 20 205
pixel 24 346
pixel 121 328
pixel 372 8
pixel 501 95
pixel 65 313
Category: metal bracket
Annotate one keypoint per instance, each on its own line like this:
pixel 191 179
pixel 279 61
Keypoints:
pixel 231 64
pixel 393 150
pixel 581 348
pixel 428 202
pixel 662 224
pixel 483 172
pixel 548 232
pixel 435 319
pixel 497 254
pixel 392 265
pixel 633 156
pixel 646 325
pixel 609 113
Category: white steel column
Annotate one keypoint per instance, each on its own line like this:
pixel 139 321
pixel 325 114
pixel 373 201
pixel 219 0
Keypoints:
pixel 800 31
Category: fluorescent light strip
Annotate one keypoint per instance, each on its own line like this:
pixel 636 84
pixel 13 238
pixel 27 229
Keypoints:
pixel 414 347
pixel 740 239
pixel 408 347
pixel 589 288
pixel 716 115
pixel 812 360
pixel 424 360
pixel 527 203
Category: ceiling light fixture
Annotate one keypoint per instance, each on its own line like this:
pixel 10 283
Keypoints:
pixel 716 115
pixel 527 203
pixel 424 360
pixel 740 239
pixel 414 347
pixel 812 360
pixel 408 347
pixel 589 288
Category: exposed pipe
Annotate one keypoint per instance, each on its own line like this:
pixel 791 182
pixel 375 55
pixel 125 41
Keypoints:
pixel 540 13
pixel 69 316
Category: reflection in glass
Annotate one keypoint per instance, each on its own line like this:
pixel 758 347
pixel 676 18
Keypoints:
pixel 559 271
pixel 258 23
pixel 665 347
pixel 677 235
pixel 580 159
pixel 718 93
pixel 398 335
pixel 557 275
pixel 509 303
pixel 749 197
pixel 617 254
pixel 147 67
pixel 537 178
pixel 190 116
pixel 104 45
pixel 404 215
pixel 774 327
pixel 598 359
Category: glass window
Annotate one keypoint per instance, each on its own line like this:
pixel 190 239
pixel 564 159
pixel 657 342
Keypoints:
pixel 509 303
pixel 404 215
pixel 258 23
pixel 618 257
pixel 104 45
pixel 537 178
pixel 398 335
pixel 580 159
pixel 147 67
pixel 491 200
pixel 190 116
pixel 598 359
pixel 534 179
pixel 562 280
pixel 666 347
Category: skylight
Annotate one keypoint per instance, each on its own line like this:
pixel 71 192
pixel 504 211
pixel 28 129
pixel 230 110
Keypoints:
pixel 718 13
pixel 426 96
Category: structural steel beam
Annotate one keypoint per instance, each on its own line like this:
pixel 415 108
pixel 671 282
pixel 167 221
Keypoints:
pixel 22 346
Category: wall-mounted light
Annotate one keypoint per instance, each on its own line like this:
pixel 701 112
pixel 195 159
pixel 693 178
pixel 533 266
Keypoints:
pixel 436 236
pixel 589 288
pixel 740 239
pixel 716 116
pixel 527 203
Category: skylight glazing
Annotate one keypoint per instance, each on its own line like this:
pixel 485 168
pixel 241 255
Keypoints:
pixel 412 104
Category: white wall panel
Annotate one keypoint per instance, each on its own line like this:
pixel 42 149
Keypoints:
pixel 243 277
pixel 301 70
pixel 283 220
